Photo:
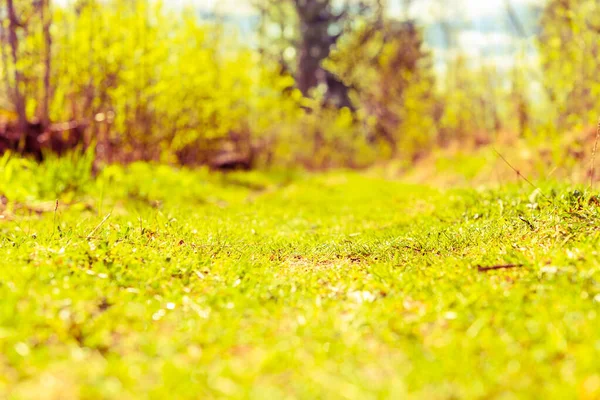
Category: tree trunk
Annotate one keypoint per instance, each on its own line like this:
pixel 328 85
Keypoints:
pixel 317 21
pixel 13 40
pixel 4 59
pixel 47 22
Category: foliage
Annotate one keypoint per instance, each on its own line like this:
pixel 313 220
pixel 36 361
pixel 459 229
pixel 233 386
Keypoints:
pixel 472 102
pixel 156 84
pixel 392 81
pixel 152 82
pixel 23 180
pixel 142 80
pixel 569 46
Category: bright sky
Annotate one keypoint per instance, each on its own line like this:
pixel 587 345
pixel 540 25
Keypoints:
pixel 474 41
pixel 465 8
pixel 241 7
pixel 427 10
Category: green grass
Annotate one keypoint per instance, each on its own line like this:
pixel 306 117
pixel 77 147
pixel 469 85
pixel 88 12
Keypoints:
pixel 148 282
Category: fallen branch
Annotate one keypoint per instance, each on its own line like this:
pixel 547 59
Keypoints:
pixel 497 267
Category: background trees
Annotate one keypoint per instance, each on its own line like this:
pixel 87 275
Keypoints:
pixel 569 51
pixel 323 83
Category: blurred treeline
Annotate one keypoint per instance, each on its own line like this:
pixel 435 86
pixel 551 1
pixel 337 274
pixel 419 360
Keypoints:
pixel 324 84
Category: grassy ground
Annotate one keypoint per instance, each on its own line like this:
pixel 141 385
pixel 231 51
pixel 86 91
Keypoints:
pixel 152 283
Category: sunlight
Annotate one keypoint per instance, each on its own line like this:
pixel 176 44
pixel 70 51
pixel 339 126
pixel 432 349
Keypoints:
pixel 312 199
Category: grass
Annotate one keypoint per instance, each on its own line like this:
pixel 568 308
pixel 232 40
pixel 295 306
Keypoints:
pixel 148 282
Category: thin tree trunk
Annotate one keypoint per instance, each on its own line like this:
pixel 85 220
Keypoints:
pixel 4 59
pixel 13 39
pixel 47 22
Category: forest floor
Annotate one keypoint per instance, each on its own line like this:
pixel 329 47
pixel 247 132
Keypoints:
pixel 148 282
